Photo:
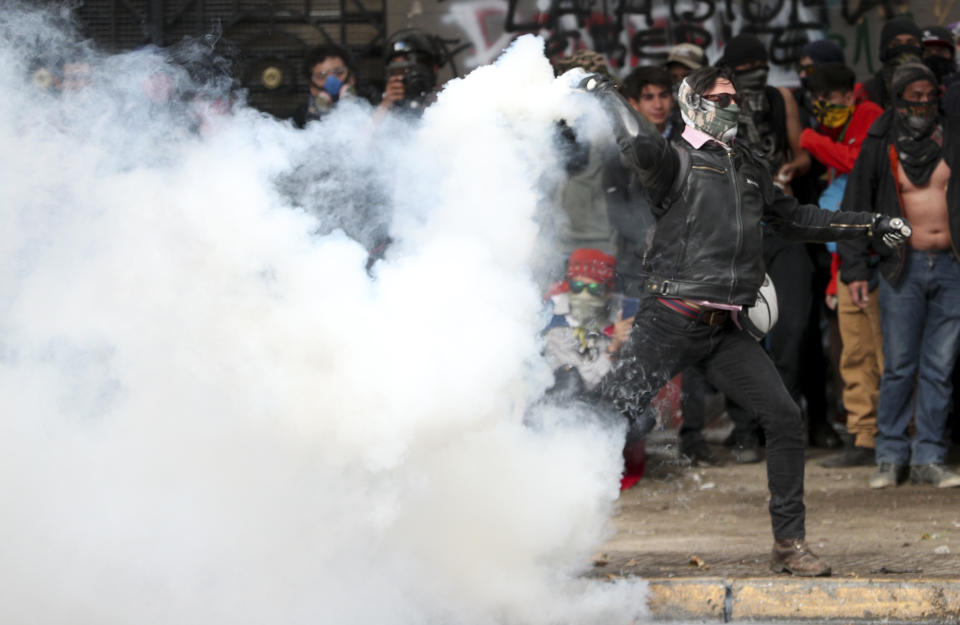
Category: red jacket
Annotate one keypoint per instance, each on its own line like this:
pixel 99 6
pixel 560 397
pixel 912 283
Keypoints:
pixel 842 156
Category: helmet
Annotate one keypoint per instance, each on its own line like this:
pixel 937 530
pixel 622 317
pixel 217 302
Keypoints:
pixel 417 45
pixel 760 318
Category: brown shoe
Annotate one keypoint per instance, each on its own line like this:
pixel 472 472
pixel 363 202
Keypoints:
pixel 794 556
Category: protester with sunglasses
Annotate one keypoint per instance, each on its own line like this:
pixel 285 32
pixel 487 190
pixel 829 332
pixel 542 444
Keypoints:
pixel 579 341
pixel 705 267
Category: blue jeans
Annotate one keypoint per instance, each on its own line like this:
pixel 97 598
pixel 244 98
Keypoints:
pixel 921 335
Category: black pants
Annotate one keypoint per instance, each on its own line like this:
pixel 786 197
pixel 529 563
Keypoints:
pixel 663 342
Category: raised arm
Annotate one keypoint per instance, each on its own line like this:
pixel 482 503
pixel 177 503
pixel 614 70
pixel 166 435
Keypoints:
pixel 642 148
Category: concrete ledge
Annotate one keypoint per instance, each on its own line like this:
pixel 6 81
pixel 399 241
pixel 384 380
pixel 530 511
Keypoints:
pixel 823 599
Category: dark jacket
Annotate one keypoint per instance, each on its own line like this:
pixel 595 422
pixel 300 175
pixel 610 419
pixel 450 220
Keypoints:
pixel 871 188
pixel 709 204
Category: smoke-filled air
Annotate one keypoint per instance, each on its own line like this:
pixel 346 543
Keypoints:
pixel 215 409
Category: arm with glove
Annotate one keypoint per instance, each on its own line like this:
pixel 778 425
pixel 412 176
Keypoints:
pixel 642 148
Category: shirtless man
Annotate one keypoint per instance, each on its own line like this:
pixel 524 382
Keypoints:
pixel 903 170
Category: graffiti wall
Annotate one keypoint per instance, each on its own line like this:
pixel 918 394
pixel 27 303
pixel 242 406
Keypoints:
pixel 640 32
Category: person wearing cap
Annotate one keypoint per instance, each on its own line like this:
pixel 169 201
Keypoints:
pixel 704 268
pixel 579 340
pixel 903 171
pixel 899 44
pixel 938 53
pixel 682 59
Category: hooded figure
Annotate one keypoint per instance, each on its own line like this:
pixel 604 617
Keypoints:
pixel 939 52
pixel 917 127
pixel 762 114
pixel 899 44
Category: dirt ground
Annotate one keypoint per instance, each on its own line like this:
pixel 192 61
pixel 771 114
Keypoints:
pixel 682 521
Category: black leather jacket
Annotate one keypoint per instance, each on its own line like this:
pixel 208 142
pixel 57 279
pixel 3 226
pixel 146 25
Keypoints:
pixel 709 204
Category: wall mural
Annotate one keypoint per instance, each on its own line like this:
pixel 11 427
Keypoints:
pixel 640 32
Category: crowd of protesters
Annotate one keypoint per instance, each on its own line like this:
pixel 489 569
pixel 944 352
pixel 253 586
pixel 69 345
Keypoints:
pixel 726 227
pixel 893 329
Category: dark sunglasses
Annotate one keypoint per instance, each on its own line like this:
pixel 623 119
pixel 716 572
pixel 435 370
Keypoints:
pixel 723 100
pixel 596 289
pixel 806 70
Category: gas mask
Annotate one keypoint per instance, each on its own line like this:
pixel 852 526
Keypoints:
pixel 704 115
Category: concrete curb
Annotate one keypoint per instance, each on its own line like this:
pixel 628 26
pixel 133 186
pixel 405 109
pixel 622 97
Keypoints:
pixel 823 599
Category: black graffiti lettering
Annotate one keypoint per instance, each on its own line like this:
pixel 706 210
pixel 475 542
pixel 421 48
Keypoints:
pixel 605 37
pixel 558 42
pixel 692 33
pixel 758 12
pixel 786 48
pixel 644 8
pixel 729 15
pixel 688 21
pixel 510 24
pixel 853 15
pixel 653 37
pixel 692 15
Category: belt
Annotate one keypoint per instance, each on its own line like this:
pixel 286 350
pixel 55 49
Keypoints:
pixel 707 316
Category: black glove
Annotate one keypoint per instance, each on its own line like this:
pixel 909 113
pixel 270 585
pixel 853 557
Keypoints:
pixel 893 231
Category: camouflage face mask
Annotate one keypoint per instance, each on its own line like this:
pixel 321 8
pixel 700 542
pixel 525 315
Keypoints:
pixel 704 115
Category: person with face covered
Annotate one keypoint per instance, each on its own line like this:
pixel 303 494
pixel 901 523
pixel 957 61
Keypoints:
pixel 939 53
pixel 705 269
pixel 769 118
pixel 899 44
pixel 579 342
pixel 770 123
pixel 835 141
pixel 903 170
pixel 330 78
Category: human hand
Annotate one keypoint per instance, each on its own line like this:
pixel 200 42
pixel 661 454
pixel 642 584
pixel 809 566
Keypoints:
pixel 830 301
pixel 893 231
pixel 621 332
pixel 785 174
pixel 859 293
pixel 393 92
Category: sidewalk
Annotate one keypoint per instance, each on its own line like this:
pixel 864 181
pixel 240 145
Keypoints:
pixel 702 537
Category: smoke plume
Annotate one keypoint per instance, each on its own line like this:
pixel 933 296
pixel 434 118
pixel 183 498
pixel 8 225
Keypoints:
pixel 211 411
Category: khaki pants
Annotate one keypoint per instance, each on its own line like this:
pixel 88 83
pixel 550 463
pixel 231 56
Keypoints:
pixel 861 364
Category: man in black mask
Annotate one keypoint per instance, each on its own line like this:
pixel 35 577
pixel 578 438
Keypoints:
pixel 769 119
pixel 899 44
pixel 903 170
pixel 938 53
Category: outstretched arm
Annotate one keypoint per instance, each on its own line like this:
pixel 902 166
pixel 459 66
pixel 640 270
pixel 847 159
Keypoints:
pixel 642 148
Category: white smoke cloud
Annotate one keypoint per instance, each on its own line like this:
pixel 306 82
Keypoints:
pixel 210 412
